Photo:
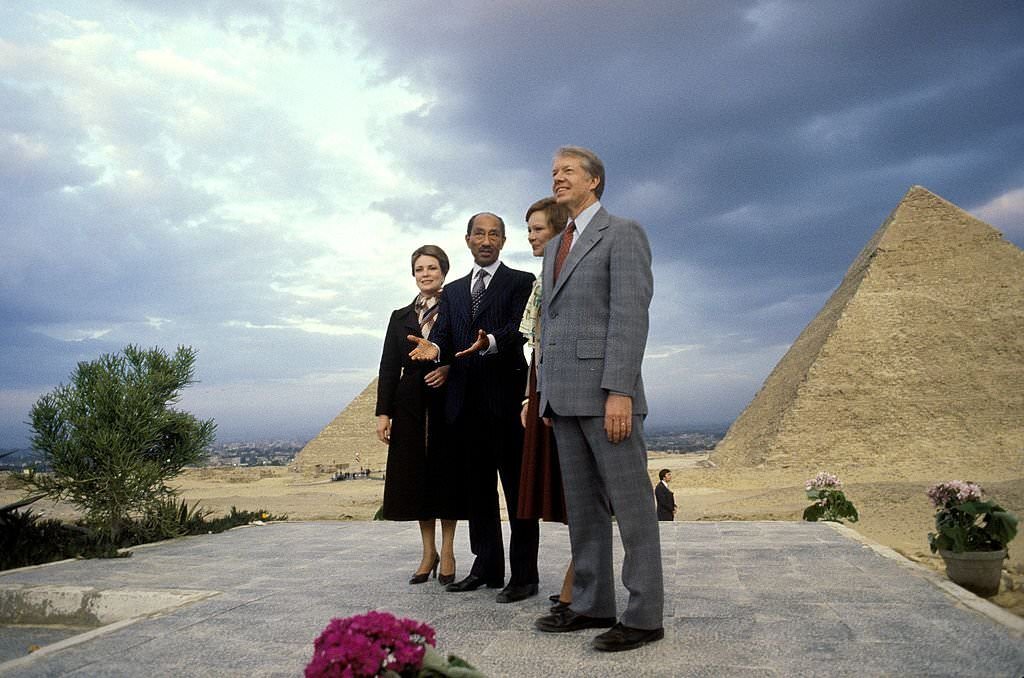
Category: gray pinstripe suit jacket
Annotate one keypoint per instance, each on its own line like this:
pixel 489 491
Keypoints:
pixel 594 320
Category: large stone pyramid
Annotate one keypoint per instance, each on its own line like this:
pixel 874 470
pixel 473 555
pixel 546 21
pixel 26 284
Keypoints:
pixel 348 443
pixel 916 360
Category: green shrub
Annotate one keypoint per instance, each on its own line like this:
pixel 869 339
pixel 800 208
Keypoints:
pixel 167 518
pixel 25 539
pixel 113 439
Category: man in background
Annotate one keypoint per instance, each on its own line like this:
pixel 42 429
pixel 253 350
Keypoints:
pixel 663 497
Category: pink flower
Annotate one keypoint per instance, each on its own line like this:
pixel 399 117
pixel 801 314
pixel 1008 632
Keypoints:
pixel 823 481
pixel 367 645
pixel 952 492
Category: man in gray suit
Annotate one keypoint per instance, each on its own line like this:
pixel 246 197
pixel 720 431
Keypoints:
pixel 597 285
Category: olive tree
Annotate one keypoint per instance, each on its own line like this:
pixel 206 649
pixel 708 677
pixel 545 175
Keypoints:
pixel 113 438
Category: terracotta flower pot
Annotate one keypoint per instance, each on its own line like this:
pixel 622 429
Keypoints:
pixel 977 571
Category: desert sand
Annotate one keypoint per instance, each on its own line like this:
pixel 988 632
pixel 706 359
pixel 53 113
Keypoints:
pixel 894 513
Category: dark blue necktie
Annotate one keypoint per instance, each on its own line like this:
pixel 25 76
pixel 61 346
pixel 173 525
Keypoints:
pixel 478 290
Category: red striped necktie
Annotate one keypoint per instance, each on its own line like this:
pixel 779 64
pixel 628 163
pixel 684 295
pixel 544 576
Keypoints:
pixel 563 247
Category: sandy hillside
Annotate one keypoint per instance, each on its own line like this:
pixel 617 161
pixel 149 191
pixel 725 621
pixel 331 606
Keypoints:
pixel 894 513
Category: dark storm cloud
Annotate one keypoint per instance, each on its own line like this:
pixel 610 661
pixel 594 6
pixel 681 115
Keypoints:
pixel 101 256
pixel 413 212
pixel 773 138
pixel 727 104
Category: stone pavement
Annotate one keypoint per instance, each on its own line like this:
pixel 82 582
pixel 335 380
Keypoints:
pixel 742 598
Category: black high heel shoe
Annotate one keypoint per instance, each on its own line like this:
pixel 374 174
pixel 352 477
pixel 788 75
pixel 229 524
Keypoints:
pixel 418 578
pixel 445 579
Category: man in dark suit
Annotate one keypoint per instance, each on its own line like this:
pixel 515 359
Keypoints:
pixel 598 285
pixel 480 314
pixel 664 498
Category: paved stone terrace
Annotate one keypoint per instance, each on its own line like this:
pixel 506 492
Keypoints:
pixel 742 599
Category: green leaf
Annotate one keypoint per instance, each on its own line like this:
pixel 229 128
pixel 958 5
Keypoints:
pixel 813 513
pixel 434 664
pixel 432 659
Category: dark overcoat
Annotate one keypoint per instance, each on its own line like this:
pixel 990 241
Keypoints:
pixel 422 475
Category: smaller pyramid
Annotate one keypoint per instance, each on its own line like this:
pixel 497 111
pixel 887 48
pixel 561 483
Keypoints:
pixel 348 443
pixel 915 363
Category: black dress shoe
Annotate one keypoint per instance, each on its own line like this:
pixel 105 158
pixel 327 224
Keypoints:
pixel 555 597
pixel 516 592
pixel 472 583
pixel 559 607
pixel 619 638
pixel 445 579
pixel 563 622
pixel 420 577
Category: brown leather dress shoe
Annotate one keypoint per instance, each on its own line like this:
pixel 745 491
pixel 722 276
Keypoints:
pixel 567 620
pixel 620 637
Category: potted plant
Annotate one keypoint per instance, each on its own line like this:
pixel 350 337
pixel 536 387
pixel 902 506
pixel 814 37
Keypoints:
pixel 971 535
pixel 830 503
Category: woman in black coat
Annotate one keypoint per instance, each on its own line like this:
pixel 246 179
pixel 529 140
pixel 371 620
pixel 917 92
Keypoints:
pixel 421 480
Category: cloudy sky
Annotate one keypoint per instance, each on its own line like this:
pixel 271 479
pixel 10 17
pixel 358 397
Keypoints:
pixel 248 177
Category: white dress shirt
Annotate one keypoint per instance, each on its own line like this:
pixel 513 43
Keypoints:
pixel 582 220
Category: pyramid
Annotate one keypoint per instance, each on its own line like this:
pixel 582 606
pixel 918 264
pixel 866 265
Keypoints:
pixel 915 362
pixel 348 443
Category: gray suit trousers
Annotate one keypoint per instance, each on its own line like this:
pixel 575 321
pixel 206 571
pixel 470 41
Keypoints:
pixel 600 479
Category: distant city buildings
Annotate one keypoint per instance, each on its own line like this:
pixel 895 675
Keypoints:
pixel 248 453
pixel 255 453
pixel 282 452
pixel 683 441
